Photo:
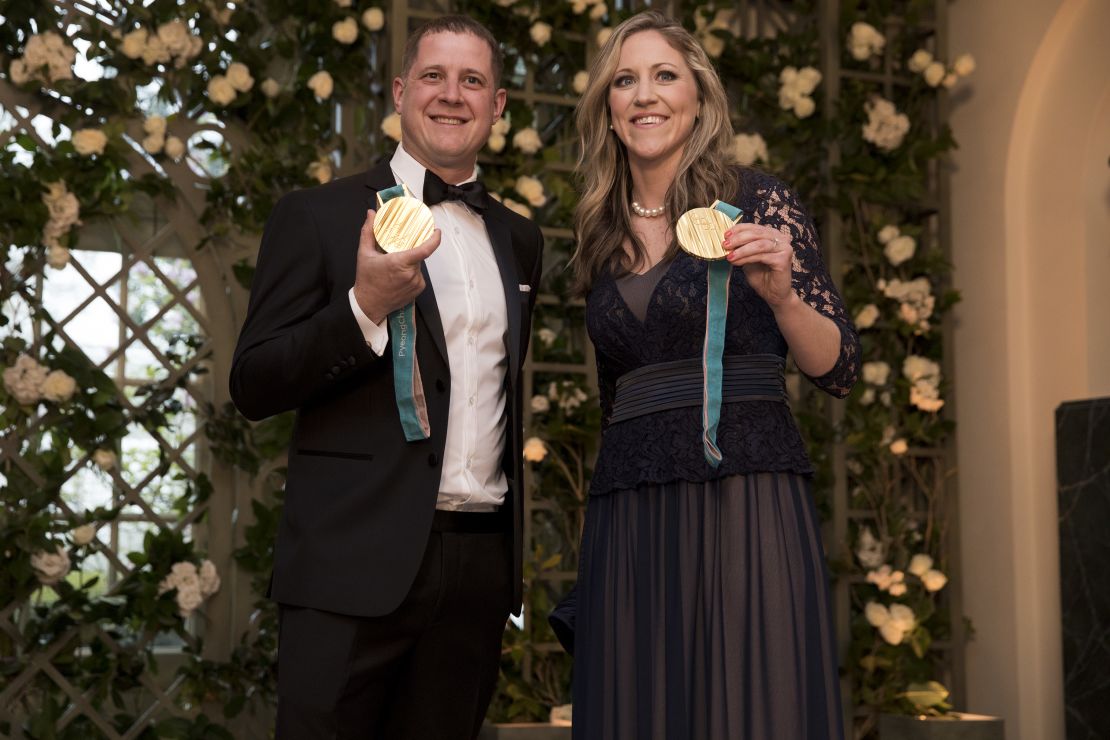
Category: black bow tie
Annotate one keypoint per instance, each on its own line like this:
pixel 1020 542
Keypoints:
pixel 472 194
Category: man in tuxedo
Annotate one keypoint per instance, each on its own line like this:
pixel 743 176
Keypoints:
pixel 397 562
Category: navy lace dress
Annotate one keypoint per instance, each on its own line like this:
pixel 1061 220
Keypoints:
pixel 702 600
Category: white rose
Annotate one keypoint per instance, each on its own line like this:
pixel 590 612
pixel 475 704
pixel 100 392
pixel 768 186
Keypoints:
pixel 921 59
pixel 57 256
pixel 804 107
pixel 892 633
pixel 876 373
pixel 897 589
pixel 391 126
pixel 884 398
pixel 83 535
pixel 270 87
pixel 534 450
pixel 578 6
pixel 18 72
pixel 209 578
pixel 175 36
pixel 934 580
pixel 104 459
pixel 50 567
pixel 501 126
pixel 881 577
pixel 867 316
pixel 899 447
pixel 239 75
pixel 220 90
pixel 877 614
pixel 888 232
pixel 867 397
pixel 964 65
pixel 903 616
pixel 345 31
pixel 134 43
pixel 603 36
pixel 547 336
pixel 916 367
pixel 154 51
pixel 885 127
pixel 808 79
pixel 24 380
pixel 320 170
pixel 58 387
pixel 581 80
pixel 531 189
pixel 540 33
pixel 518 208
pixel 926 396
pixel 321 84
pixel 184 575
pixel 899 249
pixel 540 405
pixel 528 140
pixel 154 143
pixel 864 40
pixel 155 125
pixel 175 148
pixel 920 563
pixel 188 599
pixel 495 142
pixel 933 74
pixel 373 19
pixel 344 3
pixel 749 149
pixel 949 81
pixel 89 141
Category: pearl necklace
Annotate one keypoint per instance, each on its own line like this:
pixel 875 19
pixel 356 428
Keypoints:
pixel 642 212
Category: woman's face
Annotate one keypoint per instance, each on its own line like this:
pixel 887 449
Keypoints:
pixel 653 99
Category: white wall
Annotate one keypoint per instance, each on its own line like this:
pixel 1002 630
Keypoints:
pixel 1031 245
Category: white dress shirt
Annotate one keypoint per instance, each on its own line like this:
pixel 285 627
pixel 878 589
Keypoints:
pixel 471 301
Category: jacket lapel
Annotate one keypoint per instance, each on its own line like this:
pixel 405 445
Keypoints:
pixel 381 177
pixel 502 241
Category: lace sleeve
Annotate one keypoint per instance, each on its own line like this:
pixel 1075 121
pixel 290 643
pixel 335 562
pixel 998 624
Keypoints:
pixel 779 207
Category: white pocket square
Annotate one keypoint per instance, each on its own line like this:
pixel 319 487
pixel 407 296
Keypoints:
pixel 525 288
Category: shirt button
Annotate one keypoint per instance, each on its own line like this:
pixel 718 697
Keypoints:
pixel 433 460
pixel 470 339
pixel 471 400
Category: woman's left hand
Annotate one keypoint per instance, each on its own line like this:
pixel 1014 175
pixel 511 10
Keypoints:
pixel 766 256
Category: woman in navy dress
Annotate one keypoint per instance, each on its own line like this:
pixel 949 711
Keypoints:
pixel 702 599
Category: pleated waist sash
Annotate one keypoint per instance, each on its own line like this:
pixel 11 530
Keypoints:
pixel 679 384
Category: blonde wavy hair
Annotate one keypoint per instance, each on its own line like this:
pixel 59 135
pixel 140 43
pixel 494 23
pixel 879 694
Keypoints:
pixel 603 218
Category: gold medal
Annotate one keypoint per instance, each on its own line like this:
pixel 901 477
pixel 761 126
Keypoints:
pixel 700 232
pixel 402 223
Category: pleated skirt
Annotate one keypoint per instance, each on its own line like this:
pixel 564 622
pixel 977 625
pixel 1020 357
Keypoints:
pixel 704 614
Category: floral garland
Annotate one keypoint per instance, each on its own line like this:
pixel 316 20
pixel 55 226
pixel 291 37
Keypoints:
pixel 248 101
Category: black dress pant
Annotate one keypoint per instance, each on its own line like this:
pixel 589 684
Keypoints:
pixel 426 671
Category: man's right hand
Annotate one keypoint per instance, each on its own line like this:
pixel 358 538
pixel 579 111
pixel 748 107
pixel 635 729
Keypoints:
pixel 386 282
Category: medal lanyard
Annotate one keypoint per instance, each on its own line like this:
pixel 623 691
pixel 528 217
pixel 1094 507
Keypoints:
pixel 716 312
pixel 408 388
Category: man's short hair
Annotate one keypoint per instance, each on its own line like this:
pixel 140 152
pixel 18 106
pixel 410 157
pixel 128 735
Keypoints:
pixel 453 24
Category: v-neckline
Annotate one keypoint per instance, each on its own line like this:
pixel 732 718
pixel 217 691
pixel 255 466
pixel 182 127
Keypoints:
pixel 651 297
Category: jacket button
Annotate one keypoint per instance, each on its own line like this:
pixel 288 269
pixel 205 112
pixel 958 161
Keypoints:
pixel 433 460
pixel 329 376
pixel 335 369
pixel 440 385
pixel 351 360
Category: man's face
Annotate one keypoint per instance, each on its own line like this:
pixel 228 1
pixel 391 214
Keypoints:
pixel 448 102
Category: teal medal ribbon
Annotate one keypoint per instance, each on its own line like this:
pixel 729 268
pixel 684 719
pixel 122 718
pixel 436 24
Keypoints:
pixel 719 275
pixel 408 388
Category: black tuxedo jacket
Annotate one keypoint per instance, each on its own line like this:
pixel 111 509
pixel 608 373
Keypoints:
pixel 359 499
